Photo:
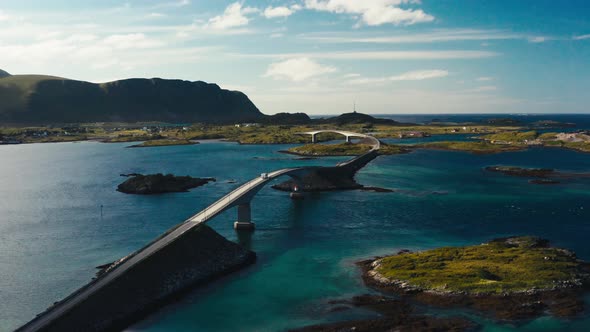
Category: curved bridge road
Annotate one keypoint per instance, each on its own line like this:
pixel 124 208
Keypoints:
pixel 242 194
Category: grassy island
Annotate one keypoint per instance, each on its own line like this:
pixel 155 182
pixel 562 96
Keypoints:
pixel 342 149
pixel 473 147
pixel 501 266
pixel 578 146
pixel 163 142
pixel 575 141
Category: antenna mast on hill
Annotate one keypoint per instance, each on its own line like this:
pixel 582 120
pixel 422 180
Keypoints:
pixel 354 107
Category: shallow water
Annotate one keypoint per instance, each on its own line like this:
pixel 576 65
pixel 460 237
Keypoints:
pixel 52 233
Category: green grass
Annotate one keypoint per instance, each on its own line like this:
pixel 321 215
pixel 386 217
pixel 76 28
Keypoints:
pixel 130 138
pixel 390 149
pixel 26 82
pixel 579 146
pixel 474 147
pixel 512 136
pixel 492 268
pixel 548 136
pixel 342 149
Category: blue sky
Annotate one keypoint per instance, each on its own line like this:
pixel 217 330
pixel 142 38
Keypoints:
pixel 320 56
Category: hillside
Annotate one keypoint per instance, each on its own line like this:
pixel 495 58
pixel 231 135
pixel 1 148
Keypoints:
pixel 36 99
pixel 3 74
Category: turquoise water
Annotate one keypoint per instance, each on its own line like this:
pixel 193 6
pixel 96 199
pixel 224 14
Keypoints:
pixel 52 233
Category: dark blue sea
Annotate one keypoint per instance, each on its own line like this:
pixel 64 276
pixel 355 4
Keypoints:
pixel 582 121
pixel 52 233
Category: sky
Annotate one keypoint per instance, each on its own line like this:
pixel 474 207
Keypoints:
pixel 321 56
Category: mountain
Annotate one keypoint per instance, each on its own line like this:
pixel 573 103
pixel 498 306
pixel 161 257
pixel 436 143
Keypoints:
pixel 3 74
pixel 37 99
pixel 288 119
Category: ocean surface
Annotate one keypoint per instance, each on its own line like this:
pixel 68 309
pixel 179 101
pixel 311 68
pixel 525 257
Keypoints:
pixel 53 234
pixel 581 120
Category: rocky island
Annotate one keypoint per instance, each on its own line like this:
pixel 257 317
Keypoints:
pixel 473 147
pixel 159 183
pixel 509 278
pixel 537 175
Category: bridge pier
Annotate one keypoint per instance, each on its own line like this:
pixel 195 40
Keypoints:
pixel 244 218
pixel 313 138
pixel 347 139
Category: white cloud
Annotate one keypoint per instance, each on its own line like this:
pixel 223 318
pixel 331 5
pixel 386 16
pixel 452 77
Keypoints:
pixel 351 75
pixel 419 75
pixel 155 15
pixel 277 35
pixel 172 4
pixel 538 39
pixel 484 79
pixel 197 29
pixel 373 12
pixel 575 38
pixel 297 69
pixel 416 75
pixel 233 16
pixel 485 88
pixel 438 35
pixel 132 40
pixel 281 11
pixel 381 55
pixel 3 16
pixel 118 52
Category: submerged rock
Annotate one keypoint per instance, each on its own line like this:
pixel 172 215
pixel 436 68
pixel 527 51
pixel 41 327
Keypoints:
pixel 520 171
pixel 159 183
pixel 377 189
pixel 395 315
pixel 544 181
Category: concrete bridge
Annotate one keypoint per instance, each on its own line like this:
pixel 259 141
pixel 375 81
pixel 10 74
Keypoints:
pixel 239 197
pixel 347 134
